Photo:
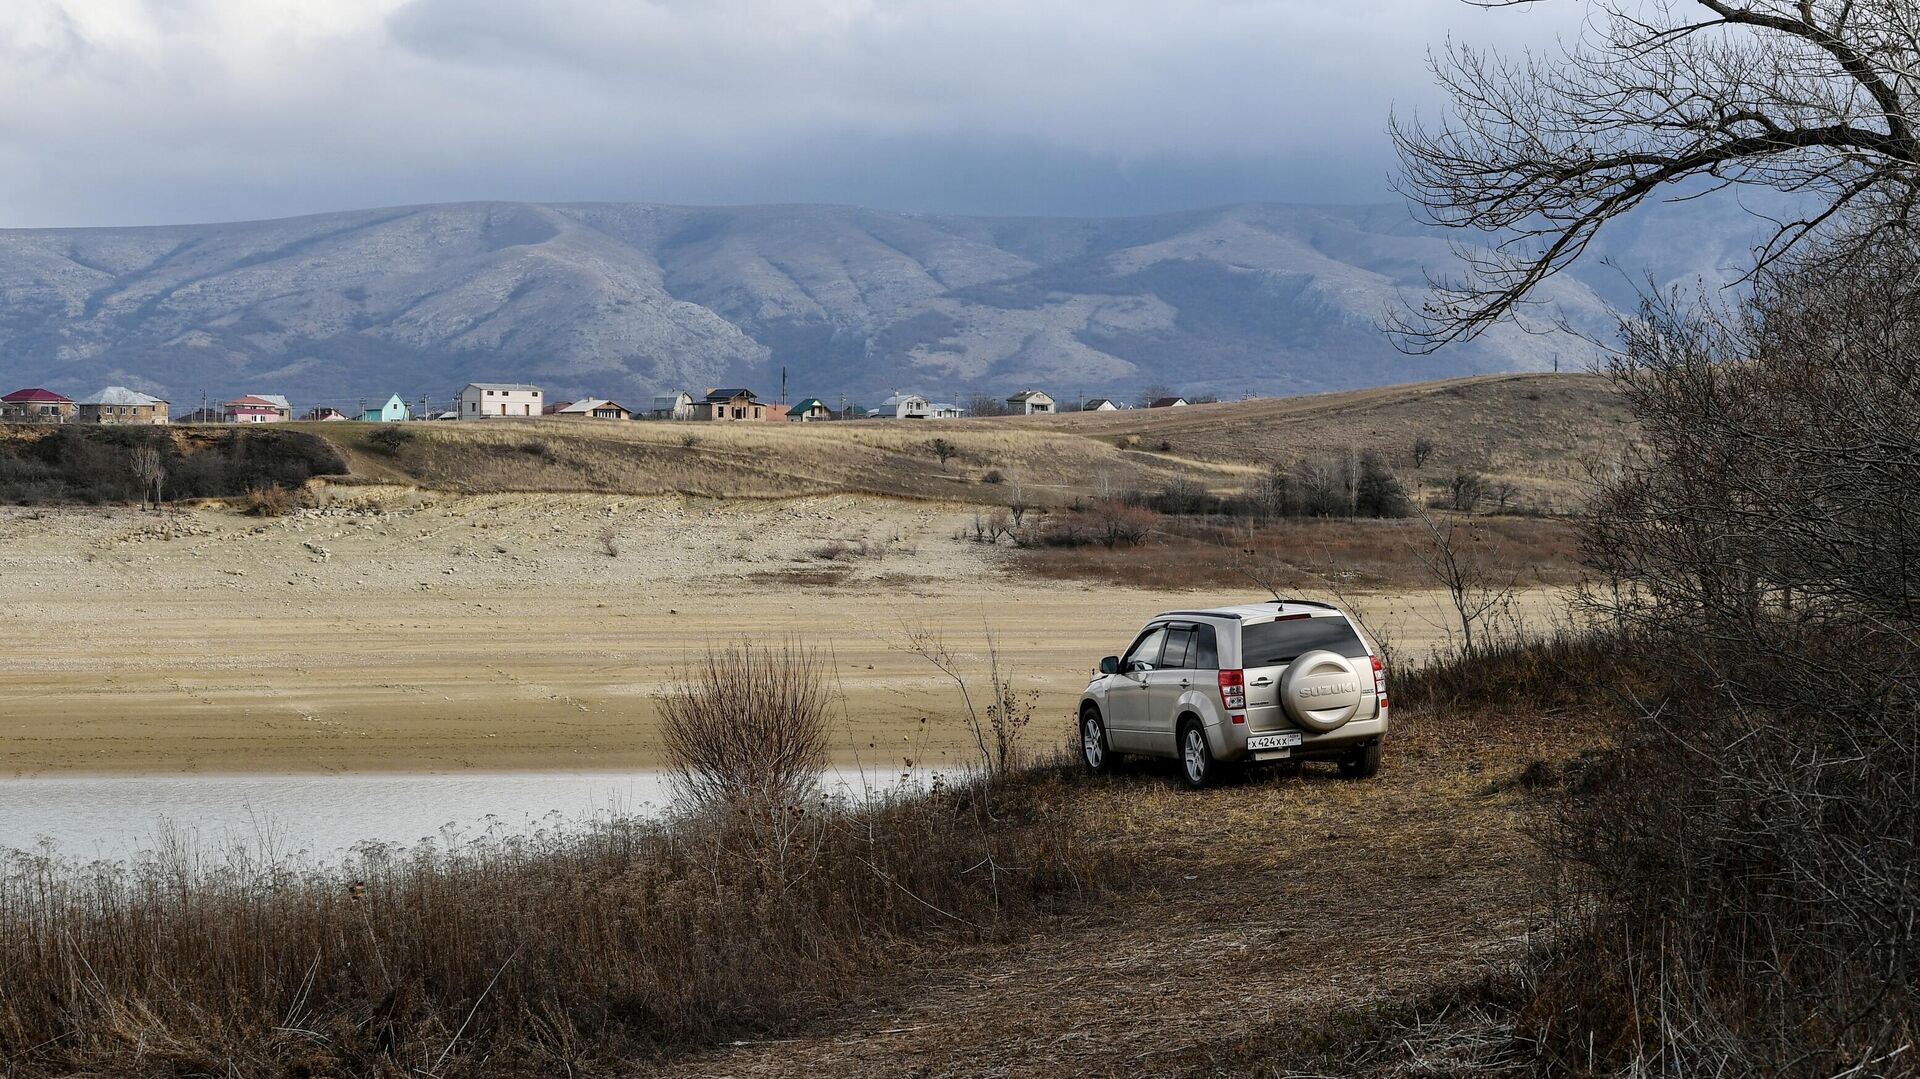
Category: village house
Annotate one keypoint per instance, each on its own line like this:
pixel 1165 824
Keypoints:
pixel 593 408
pixel 120 405
pixel 1030 402
pixel 672 406
pixel 279 402
pixel 1168 402
pixel 496 400
pixel 1100 404
pixel 394 411
pixel 36 405
pixel 250 409
pixel 809 410
pixel 323 414
pixel 902 406
pixel 941 411
pixel 730 405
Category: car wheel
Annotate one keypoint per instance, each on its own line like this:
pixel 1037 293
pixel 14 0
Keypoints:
pixel 1094 751
pixel 1197 765
pixel 1362 763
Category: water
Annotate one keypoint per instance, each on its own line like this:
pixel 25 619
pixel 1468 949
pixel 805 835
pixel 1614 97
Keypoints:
pixel 318 817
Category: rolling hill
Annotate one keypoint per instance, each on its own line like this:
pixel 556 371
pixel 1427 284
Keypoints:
pixel 623 300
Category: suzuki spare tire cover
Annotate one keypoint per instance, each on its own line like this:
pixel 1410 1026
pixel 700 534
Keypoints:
pixel 1320 691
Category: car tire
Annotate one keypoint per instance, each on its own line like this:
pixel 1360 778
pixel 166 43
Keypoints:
pixel 1095 752
pixel 1362 763
pixel 1197 766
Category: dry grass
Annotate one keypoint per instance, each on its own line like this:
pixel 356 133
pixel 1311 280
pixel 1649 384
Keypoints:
pixel 549 955
pixel 1539 431
pixel 1360 554
pixel 761 460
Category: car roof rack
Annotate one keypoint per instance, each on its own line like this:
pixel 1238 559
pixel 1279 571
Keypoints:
pixel 1304 603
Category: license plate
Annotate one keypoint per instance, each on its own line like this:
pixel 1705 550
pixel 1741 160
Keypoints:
pixel 1273 741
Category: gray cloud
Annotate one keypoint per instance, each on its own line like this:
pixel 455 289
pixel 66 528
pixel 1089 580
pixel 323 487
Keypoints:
pixel 129 111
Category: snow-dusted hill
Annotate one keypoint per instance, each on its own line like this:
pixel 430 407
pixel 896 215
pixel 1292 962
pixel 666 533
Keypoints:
pixel 623 300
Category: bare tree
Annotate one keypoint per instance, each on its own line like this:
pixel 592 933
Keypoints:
pixel 1816 97
pixel 1422 450
pixel 1017 504
pixel 1462 559
pixel 150 468
pixel 943 449
pixel 1156 392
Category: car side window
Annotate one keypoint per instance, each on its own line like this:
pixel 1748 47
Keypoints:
pixel 1205 653
pixel 1178 654
pixel 1145 653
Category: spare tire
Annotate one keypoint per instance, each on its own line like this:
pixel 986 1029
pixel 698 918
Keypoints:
pixel 1320 691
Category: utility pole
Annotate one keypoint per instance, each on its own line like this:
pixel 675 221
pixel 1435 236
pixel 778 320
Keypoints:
pixel 783 383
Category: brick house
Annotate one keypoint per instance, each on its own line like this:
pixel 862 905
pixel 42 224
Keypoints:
pixel 120 405
pixel 37 405
pixel 730 405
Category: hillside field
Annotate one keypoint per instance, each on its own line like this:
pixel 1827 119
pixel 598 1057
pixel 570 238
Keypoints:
pixel 1542 433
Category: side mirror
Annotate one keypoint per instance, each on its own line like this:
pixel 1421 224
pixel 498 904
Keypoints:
pixel 1110 665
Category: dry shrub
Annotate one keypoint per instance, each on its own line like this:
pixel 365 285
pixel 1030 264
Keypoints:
pixel 1746 901
pixel 579 951
pixel 747 725
pixel 269 501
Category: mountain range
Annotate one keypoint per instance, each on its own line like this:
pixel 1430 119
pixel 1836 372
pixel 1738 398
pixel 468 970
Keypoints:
pixel 625 300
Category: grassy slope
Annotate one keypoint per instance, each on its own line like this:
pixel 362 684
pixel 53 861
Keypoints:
pixel 1538 431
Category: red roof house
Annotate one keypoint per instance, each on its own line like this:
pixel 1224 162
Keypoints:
pixel 40 405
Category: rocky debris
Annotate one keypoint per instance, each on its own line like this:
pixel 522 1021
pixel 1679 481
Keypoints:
pixel 320 552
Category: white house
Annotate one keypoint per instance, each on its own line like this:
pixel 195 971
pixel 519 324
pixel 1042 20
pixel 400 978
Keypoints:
pixel 1168 402
pixel 940 411
pixel 1100 404
pixel 672 406
pixel 493 400
pixel 902 406
pixel 1029 402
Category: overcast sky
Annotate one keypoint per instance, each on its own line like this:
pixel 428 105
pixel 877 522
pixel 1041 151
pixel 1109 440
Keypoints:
pixel 161 111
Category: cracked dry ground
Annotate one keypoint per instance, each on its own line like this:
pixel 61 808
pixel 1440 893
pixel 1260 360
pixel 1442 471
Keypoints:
pixel 1256 912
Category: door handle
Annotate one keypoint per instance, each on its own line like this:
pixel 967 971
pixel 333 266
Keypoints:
pixel 1186 683
pixel 1262 682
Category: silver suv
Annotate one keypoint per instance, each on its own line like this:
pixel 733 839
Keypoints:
pixel 1282 680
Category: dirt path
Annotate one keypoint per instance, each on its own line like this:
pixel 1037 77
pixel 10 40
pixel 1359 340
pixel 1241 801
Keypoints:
pixel 1258 911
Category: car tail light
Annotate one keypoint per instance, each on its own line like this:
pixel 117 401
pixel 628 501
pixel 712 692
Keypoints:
pixel 1380 680
pixel 1233 693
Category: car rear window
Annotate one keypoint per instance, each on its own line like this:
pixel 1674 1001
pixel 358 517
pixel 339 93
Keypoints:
pixel 1274 644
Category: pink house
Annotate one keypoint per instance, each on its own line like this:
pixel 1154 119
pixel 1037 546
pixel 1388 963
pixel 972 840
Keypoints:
pixel 251 410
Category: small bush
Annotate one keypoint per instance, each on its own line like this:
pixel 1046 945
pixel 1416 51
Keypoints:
pixel 536 448
pixel 389 439
pixel 269 502
pixel 689 441
pixel 772 700
pixel 993 476
pixel 1164 446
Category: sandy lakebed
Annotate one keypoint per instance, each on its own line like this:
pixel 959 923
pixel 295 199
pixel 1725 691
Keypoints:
pixel 394 631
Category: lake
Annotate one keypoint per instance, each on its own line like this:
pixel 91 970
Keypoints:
pixel 320 817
